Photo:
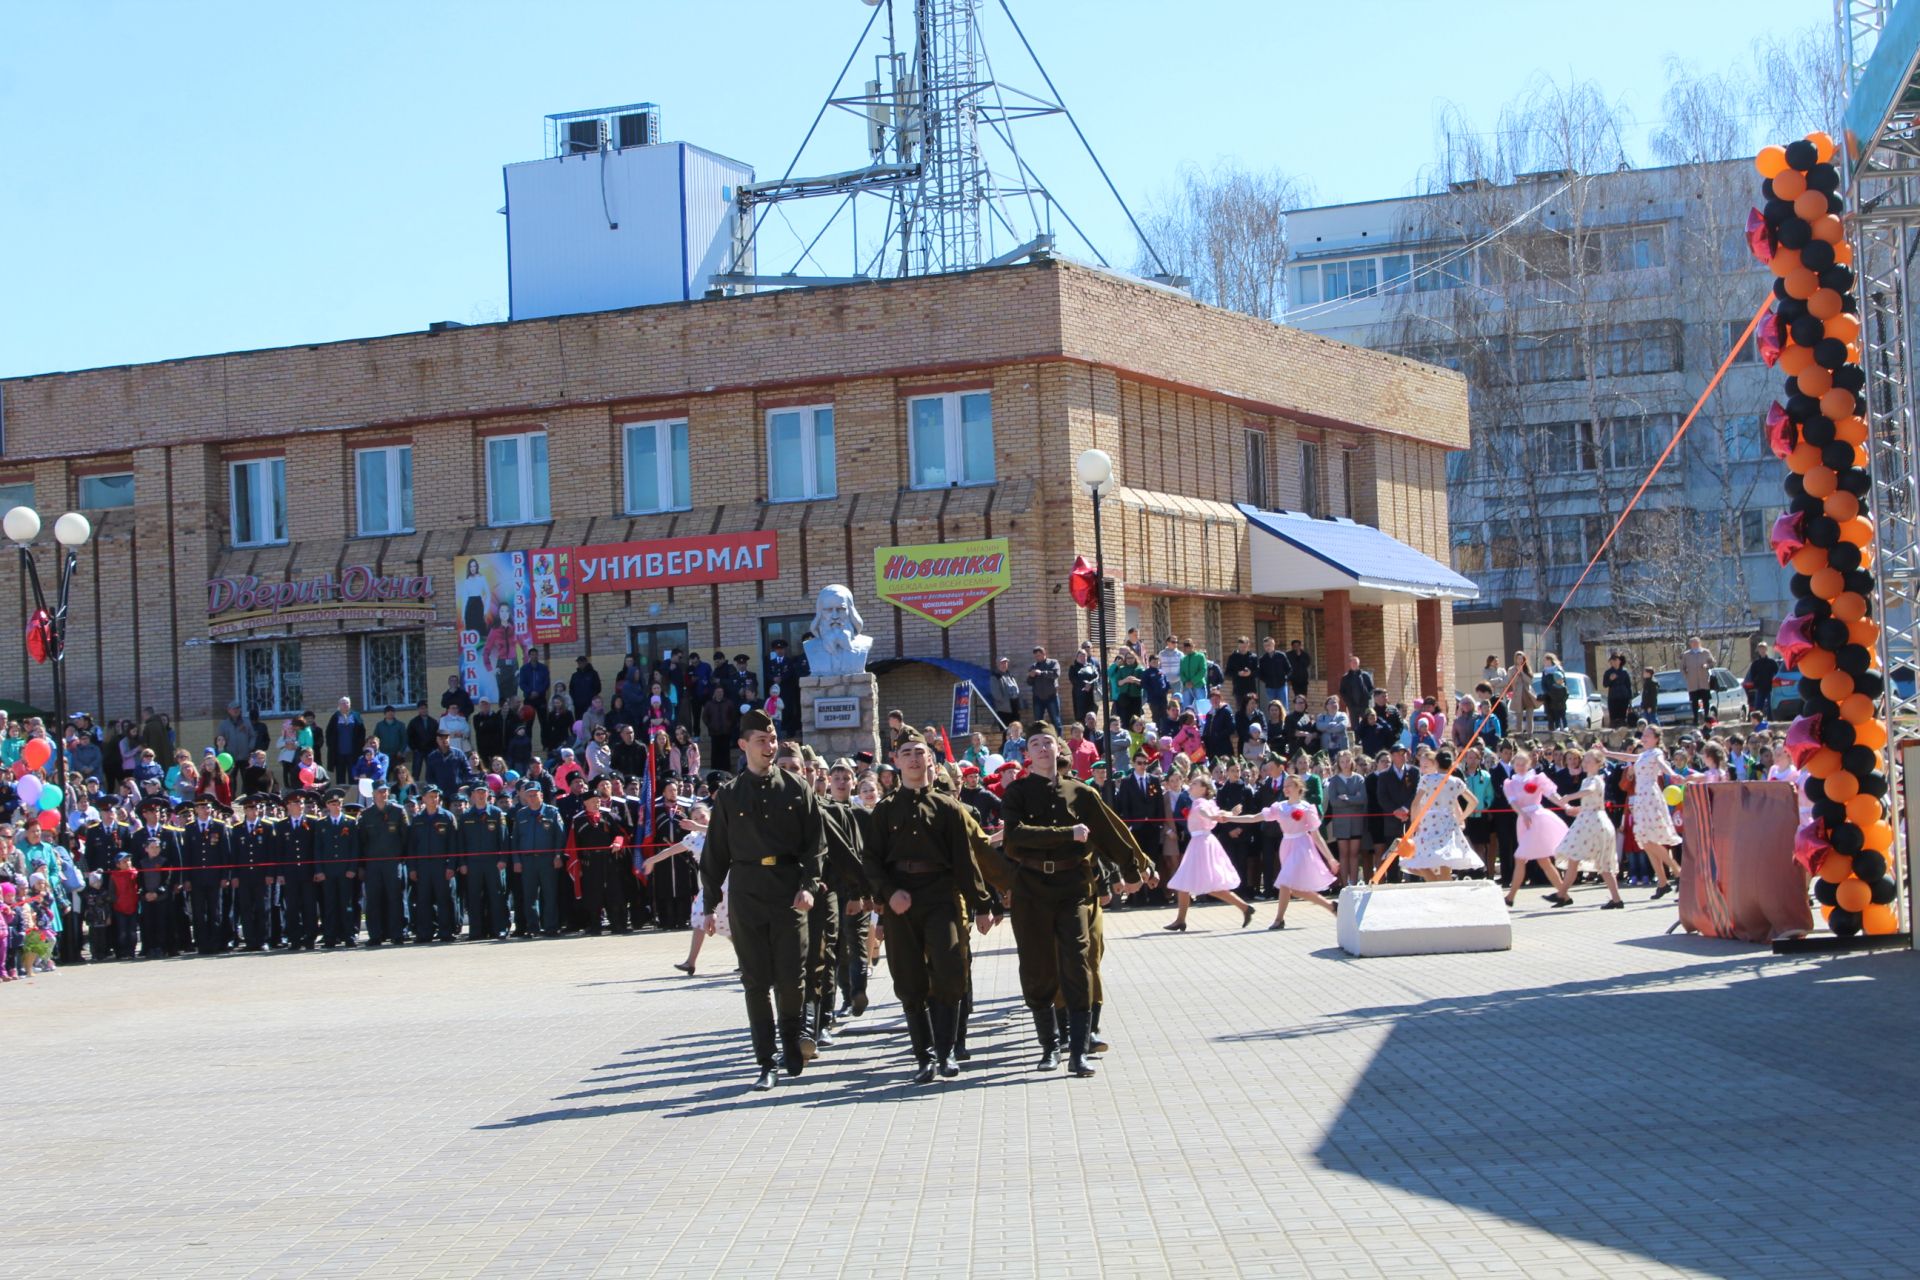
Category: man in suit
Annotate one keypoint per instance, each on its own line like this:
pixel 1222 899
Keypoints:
pixel 256 848
pixel 1140 801
pixel 1356 690
pixel 1396 790
pixel 209 861
pixel 336 857
pixel 298 879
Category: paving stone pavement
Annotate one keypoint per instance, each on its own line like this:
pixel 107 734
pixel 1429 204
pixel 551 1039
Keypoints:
pixel 1605 1099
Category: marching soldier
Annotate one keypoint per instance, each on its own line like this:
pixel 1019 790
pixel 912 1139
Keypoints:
pixel 847 883
pixel 382 832
pixel 299 879
pixel 769 836
pixel 1050 819
pixel 256 848
pixel 920 864
pixel 483 838
pixel 433 839
pixel 336 856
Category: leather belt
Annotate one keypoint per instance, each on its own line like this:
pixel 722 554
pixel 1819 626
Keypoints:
pixel 916 867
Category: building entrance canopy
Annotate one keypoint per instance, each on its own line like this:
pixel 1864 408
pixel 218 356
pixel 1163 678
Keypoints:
pixel 1296 555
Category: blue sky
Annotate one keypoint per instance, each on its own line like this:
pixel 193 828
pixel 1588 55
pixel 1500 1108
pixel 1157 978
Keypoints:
pixel 185 177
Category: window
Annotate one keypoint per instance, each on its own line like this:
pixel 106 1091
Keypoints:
pixel 1162 607
pixel 1216 644
pixel 1333 280
pixel 800 454
pixel 1633 443
pixel 950 439
pixel 1434 271
pixel 1395 269
pixel 259 495
pixel 1503 549
pixel 517 479
pixel 103 493
pixel 1469 551
pixel 1562 539
pixel 1748 352
pixel 1742 437
pixel 18 494
pixel 1634 248
pixel 1756 532
pixel 268 681
pixel 1306 285
pixel 1310 479
pixel 394 670
pixel 657 467
pixel 385 485
pixel 789 627
pixel 1362 278
pixel 1257 468
pixel 650 645
pixel 1352 511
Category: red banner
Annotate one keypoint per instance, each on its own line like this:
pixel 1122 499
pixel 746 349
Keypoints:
pixel 678 562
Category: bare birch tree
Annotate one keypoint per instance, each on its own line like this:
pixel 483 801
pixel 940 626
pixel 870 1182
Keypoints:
pixel 1226 230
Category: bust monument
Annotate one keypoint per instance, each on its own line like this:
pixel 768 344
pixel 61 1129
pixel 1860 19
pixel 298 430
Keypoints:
pixel 838 647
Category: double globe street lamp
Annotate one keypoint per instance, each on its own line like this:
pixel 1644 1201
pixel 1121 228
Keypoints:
pixel 71 531
pixel 1094 469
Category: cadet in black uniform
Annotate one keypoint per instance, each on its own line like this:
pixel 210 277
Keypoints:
pixel 1050 818
pixel 336 856
pixel 209 862
pixel 300 880
pixel 768 832
pixel 591 840
pixel 483 838
pixel 382 836
pixel 920 864
pixel 256 850
pixel 433 838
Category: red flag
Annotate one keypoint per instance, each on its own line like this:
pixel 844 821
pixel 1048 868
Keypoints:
pixel 573 863
pixel 1084 583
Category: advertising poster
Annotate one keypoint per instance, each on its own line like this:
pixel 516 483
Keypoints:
pixel 507 602
pixel 943 582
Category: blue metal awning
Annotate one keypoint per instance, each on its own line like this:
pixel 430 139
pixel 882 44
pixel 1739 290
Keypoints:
pixel 1294 554
pixel 977 675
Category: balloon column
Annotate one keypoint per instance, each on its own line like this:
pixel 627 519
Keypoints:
pixel 1826 534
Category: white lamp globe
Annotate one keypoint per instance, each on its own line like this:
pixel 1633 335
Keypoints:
pixel 72 530
pixel 1094 467
pixel 22 525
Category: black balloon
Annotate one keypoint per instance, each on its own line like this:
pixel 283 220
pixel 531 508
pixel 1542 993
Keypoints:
pixel 1855 481
pixel 1815 790
pixel 1843 556
pixel 1817 256
pixel 1845 838
pixel 1858 581
pixel 1825 894
pixel 1818 432
pixel 1821 531
pixel 1851 377
pixel 1837 454
pixel 1823 177
pixel 1871 683
pixel 1780 287
pixel 1807 330
pixel 1869 865
pixel 1799 584
pixel 1835 205
pixel 1811 607
pixel 1802 155
pixel 1859 760
pixel 1873 783
pixel 1835 733
pixel 1829 353
pixel 1844 923
pixel 1838 278
pixel 1853 658
pixel 1801 407
pixel 1884 889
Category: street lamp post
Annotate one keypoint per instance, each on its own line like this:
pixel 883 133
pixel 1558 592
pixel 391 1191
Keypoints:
pixel 71 531
pixel 1094 467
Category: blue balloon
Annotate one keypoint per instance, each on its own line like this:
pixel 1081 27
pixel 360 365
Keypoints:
pixel 50 798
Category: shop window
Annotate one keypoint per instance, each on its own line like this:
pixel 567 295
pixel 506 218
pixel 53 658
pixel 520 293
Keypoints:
pixel 19 494
pixel 658 472
pixel 394 670
pixel 258 493
pixel 104 493
pixel 384 490
pixel 800 461
pixel 950 439
pixel 517 479
pixel 268 678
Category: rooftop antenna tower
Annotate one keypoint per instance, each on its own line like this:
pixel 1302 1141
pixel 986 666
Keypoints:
pixel 943 160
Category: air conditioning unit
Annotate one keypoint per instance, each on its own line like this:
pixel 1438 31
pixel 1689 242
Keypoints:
pixel 637 129
pixel 585 136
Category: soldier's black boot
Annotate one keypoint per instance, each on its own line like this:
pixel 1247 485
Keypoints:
pixel 946 1021
pixel 960 1052
pixel 920 1033
pixel 1047 1031
pixel 763 1053
pixel 1094 1043
pixel 795 1049
pixel 1077 1061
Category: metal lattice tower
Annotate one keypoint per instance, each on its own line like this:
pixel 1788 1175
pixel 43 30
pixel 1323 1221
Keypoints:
pixel 942 214
pixel 1879 49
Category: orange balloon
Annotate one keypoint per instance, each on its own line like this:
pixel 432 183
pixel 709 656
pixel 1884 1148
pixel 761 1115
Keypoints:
pixel 1849 606
pixel 1865 632
pixel 1853 353
pixel 1810 204
pixel 1856 708
pixel 1825 762
pixel 1820 482
pixel 1842 506
pixel 1835 402
pixel 1829 229
pixel 1836 866
pixel 1817 382
pixel 1817 662
pixel 1861 810
pixel 1841 787
pixel 1853 895
pixel 1879 836
pixel 1822 146
pixel 1872 735
pixel 1802 284
pixel 1845 326
pixel 1826 914
pixel 1835 685
pixel 1843 254
pixel 1879 918
pixel 1771 162
pixel 1789 183
pixel 1809 559
pixel 1829 582
pixel 1860 457
pixel 1803 459
pixel 1858 531
pixel 1784 260
pixel 1851 429
pixel 1795 359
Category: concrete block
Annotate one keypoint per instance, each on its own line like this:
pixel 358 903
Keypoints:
pixel 1424 919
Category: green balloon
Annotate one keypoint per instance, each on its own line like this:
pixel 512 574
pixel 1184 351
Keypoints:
pixel 225 762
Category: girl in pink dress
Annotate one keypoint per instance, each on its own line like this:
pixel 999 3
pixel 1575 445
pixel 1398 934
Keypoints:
pixel 1306 864
pixel 1205 869
pixel 1539 829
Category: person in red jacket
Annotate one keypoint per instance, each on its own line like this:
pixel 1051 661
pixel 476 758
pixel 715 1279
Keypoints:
pixel 126 906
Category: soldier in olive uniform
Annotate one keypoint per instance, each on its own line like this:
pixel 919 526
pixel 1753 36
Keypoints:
pixel 847 883
pixel 382 835
pixel 483 838
pixel 1050 819
pixel 433 838
pixel 920 864
pixel 767 832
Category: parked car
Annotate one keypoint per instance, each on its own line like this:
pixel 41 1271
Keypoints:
pixel 1585 710
pixel 1726 699
pixel 1786 691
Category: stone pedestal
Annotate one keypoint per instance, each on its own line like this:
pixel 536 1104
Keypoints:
pixel 840 715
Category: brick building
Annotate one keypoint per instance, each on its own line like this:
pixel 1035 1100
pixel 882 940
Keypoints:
pixel 216 480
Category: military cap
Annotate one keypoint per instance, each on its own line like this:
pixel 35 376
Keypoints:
pixel 148 803
pixel 908 737
pixel 336 796
pixel 789 748
pixel 755 722
pixel 526 785
pixel 1101 762
pixel 1041 729
pixel 429 790
pixel 841 764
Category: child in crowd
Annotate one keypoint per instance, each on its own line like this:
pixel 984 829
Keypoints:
pixel 126 905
